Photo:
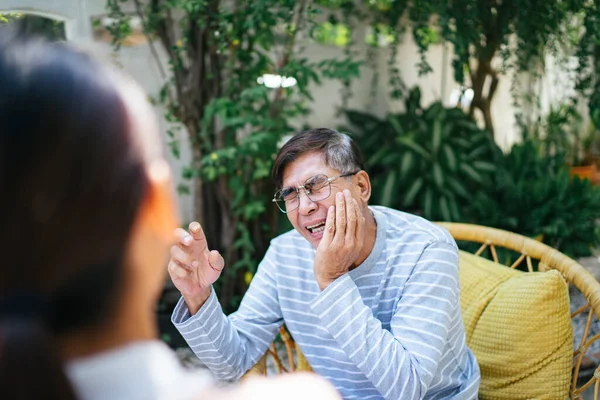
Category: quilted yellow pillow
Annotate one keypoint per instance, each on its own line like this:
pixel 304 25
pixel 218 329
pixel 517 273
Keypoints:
pixel 518 326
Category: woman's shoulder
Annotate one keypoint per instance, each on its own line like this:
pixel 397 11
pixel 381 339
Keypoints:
pixel 142 370
pixel 296 386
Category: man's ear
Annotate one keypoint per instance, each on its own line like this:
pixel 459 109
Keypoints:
pixel 158 212
pixel 364 185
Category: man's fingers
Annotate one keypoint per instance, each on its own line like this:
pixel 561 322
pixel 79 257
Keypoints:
pixel 360 224
pixel 340 215
pixel 183 238
pixel 329 230
pixel 216 261
pixel 176 270
pixel 181 256
pixel 197 232
pixel 350 216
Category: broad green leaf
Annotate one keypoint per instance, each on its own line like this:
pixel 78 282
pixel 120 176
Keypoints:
pixel 450 157
pixel 477 152
pixel 474 175
pixel 438 176
pixel 379 154
pixel 388 189
pixel 437 135
pixel 408 161
pixel 485 166
pixel 456 214
pixel 462 142
pixel 458 188
pixel 412 192
pixel 428 203
pixel 445 209
pixel 396 125
pixel 391 159
pixel 413 146
pixel 435 111
pixel 467 124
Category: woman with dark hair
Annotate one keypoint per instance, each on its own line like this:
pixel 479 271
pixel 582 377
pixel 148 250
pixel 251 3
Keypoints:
pixel 88 216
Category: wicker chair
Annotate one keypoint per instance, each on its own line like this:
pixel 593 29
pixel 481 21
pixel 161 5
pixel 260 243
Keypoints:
pixel 529 251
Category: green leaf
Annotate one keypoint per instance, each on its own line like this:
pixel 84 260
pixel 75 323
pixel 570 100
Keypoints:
pixel 450 157
pixel 413 191
pixel 462 142
pixel 437 135
pixel 477 152
pixel 438 176
pixel 408 161
pixel 396 125
pixel 485 166
pixel 445 209
pixel 456 187
pixel 388 189
pixel 377 157
pixel 456 214
pixel 474 175
pixel 413 146
pixel 428 203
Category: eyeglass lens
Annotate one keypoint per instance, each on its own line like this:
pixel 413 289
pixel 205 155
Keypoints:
pixel 317 188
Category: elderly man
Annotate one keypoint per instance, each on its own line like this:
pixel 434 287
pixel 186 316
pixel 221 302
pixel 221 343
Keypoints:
pixel 370 294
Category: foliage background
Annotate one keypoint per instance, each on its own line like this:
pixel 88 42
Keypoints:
pixel 439 162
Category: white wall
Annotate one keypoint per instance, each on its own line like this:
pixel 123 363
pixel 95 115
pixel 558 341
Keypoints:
pixel 437 85
pixel 327 95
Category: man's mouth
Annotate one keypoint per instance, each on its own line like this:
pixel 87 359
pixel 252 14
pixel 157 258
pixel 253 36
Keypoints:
pixel 320 227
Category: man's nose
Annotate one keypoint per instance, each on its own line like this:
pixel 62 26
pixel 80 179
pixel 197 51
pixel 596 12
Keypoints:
pixel 307 206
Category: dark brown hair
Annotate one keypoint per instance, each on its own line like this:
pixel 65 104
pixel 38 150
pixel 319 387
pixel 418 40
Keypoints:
pixel 72 182
pixel 340 152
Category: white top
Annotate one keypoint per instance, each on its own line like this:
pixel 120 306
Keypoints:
pixel 144 370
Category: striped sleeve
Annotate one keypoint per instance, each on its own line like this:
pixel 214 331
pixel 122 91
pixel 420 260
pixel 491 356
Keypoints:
pixel 230 346
pixel 401 362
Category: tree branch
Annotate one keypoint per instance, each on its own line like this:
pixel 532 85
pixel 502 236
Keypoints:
pixel 288 50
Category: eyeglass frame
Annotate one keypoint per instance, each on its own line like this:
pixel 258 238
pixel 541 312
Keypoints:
pixel 329 180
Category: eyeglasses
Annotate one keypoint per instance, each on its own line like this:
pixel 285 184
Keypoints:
pixel 316 187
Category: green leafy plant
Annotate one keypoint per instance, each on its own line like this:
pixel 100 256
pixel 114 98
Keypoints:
pixel 221 55
pixel 425 160
pixel 533 194
pixel 588 57
pixel 9 17
pixel 564 132
pixel 488 37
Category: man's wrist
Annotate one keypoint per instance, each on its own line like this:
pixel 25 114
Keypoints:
pixel 324 282
pixel 194 303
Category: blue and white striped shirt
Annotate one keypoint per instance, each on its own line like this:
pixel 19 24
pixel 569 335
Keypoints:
pixel 389 329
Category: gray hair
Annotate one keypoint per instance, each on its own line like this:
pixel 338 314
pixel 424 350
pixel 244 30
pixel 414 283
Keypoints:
pixel 340 151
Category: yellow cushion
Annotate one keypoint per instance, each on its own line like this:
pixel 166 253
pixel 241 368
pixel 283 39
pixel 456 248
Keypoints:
pixel 518 326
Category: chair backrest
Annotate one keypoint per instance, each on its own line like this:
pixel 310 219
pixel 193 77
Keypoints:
pixel 529 252
pixel 293 360
pixel 577 276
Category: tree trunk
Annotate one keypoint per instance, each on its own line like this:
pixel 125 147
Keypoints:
pixel 486 110
pixel 481 101
pixel 198 184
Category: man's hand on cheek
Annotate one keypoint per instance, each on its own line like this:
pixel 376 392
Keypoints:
pixel 342 240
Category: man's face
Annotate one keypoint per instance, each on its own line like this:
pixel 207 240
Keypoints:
pixel 309 218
